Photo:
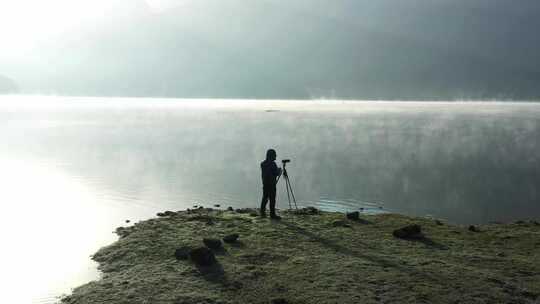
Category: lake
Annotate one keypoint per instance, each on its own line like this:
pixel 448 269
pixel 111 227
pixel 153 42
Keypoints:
pixel 74 169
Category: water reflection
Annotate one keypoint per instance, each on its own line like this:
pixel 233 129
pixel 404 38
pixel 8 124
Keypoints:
pixel 74 169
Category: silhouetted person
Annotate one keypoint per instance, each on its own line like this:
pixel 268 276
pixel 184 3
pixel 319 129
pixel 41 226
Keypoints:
pixel 270 172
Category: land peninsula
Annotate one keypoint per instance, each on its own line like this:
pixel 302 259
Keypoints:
pixel 314 257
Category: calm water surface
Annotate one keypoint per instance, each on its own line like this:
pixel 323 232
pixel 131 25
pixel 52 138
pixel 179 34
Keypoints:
pixel 73 169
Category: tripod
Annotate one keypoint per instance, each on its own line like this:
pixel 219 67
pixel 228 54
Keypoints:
pixel 288 186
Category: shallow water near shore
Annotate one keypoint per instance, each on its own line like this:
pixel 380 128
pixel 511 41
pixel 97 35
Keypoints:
pixel 73 169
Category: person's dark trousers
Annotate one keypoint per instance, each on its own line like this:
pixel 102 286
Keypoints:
pixel 269 193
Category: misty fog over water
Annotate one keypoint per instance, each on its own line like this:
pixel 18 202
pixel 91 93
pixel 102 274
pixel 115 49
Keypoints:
pixel 465 162
pixel 76 168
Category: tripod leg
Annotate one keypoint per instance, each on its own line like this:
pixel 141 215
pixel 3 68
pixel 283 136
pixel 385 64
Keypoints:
pixel 292 194
pixel 287 187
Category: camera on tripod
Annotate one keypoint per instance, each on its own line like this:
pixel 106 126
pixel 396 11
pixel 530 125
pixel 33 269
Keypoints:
pixel 288 187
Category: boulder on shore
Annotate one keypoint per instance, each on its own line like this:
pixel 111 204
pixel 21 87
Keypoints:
pixel 202 256
pixel 182 253
pixel 355 216
pixel 231 238
pixel 410 231
pixel 166 213
pixel 212 243
pixel 473 228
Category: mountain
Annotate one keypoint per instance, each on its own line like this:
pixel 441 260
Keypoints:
pixel 352 49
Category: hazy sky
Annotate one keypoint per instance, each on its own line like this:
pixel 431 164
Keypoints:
pixel 360 49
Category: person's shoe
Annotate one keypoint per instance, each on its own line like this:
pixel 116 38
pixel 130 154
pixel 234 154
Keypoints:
pixel 263 214
pixel 275 217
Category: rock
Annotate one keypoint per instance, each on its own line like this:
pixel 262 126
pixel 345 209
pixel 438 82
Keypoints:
pixel 307 211
pixel 122 232
pixel 410 231
pixel 355 216
pixel 231 238
pixel 202 256
pixel 520 222
pixel 501 254
pixel 279 301
pixel 166 213
pixel 182 253
pixel 127 221
pixel 230 209
pixel 536 223
pixel 340 223
pixel 244 210
pixel 473 228
pixel 439 222
pixel 195 206
pixel 217 205
pixel 212 243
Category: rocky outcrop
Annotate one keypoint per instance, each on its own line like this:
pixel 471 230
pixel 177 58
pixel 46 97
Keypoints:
pixel 202 256
pixel 408 232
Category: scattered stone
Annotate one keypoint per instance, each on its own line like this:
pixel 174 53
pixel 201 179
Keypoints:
pixel 307 211
pixel 212 243
pixel 520 222
pixel 244 210
pixel 195 206
pixel 361 208
pixel 536 223
pixel 182 253
pixel 231 238
pixel 217 205
pixel 340 223
pixel 200 207
pixel 166 213
pixel 439 223
pixel 127 221
pixel 202 256
pixel 253 214
pixel 410 231
pixel 473 228
pixel 501 254
pixel 230 209
pixel 354 216
pixel 279 301
pixel 122 232
pixel 311 210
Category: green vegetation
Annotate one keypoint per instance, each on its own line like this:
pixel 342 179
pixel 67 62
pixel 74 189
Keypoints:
pixel 311 257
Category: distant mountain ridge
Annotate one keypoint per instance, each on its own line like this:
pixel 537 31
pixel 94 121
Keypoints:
pixel 349 49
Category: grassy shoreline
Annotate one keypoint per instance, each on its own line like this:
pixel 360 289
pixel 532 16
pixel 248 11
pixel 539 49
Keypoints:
pixel 316 257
